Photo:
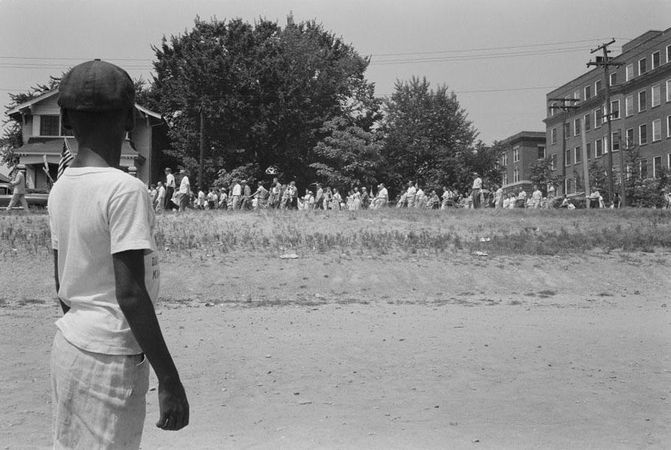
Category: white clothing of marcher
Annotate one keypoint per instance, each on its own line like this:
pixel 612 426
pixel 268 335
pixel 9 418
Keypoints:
pixel 170 181
pixel 95 212
pixel 184 185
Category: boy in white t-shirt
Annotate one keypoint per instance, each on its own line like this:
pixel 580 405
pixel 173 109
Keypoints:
pixel 107 277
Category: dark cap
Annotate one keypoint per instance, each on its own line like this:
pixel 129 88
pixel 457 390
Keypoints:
pixel 96 86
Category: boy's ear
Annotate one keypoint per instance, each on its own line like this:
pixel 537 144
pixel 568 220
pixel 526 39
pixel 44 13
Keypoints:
pixel 65 119
pixel 130 119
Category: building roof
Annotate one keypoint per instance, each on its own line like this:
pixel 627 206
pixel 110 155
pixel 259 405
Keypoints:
pixel 23 107
pixel 525 135
pixel 50 146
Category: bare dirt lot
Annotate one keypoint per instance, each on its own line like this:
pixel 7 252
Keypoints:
pixel 331 350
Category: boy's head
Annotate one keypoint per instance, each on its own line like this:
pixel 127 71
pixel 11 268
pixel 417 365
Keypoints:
pixel 95 93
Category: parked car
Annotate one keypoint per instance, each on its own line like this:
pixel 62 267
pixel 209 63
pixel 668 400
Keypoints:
pixel 36 198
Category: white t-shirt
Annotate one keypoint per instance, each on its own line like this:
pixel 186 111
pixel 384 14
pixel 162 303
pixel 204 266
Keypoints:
pixel 95 212
pixel 184 185
pixel 477 183
pixel 237 189
pixel 170 180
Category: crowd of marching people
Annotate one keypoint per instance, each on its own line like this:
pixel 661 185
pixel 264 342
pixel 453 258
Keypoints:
pixel 241 195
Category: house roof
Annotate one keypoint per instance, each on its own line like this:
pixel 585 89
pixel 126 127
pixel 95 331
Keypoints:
pixel 50 146
pixel 3 179
pixel 18 109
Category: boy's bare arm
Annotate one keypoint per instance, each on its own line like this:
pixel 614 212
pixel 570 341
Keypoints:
pixel 138 309
pixel 64 307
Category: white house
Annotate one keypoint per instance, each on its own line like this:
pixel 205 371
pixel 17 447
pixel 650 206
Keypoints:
pixel 43 139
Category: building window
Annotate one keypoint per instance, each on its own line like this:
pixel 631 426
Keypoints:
pixel 598 117
pixel 588 92
pixel 598 148
pixel 615 109
pixel 589 150
pixel 643 168
pixel 642 134
pixel 613 78
pixel 576 95
pixel 629 138
pixel 50 125
pixel 588 122
pixel 516 175
pixel 505 179
pixel 629 105
pixel 553 136
pixel 656 167
pixel 615 138
pixel 567 130
pixel 656 130
pixel 553 162
pixel 668 53
pixel 668 90
pixel 504 159
pixel 541 150
pixel 656 60
pixel 578 155
pixel 629 72
pixel 597 87
pixel 642 66
pixel 567 186
pixel 567 157
pixel 668 161
pixel 642 100
pixel 516 154
pixel 668 126
pixel 576 127
pixel 656 95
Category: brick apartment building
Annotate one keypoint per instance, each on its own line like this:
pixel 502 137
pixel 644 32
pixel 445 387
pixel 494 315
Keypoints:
pixel 640 106
pixel 521 150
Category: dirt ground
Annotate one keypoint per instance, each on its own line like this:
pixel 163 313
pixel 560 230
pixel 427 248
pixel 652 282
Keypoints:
pixel 329 351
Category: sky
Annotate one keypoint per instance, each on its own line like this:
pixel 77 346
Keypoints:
pixel 499 57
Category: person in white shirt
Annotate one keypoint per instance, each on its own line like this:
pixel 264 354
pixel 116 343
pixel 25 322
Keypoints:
pixel 184 190
pixel 159 204
pixel 107 277
pixel 236 194
pixel 19 192
pixel 536 198
pixel 475 192
pixel 169 187
pixel 410 195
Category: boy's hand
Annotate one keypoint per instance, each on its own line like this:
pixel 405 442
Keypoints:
pixel 173 407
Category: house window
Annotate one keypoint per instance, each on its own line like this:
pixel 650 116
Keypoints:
pixel 553 136
pixel 643 169
pixel 615 109
pixel 629 105
pixel 642 100
pixel 516 175
pixel 588 122
pixel 642 66
pixel 655 60
pixel 615 138
pixel 50 125
pixel 656 95
pixel 516 154
pixel 576 127
pixel 567 157
pixel 642 134
pixel 629 72
pixel 597 87
pixel 578 155
pixel 656 167
pixel 629 137
pixel 541 150
pixel 656 130
pixel 588 92
pixel 598 148
pixel 613 78
pixel 589 150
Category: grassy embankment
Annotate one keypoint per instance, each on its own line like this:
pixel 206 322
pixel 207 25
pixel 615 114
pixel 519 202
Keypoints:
pixel 391 231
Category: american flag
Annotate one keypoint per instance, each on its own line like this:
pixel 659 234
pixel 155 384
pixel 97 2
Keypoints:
pixel 66 158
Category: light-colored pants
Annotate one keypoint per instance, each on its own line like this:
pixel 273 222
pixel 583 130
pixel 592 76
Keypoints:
pixel 16 199
pixel 99 401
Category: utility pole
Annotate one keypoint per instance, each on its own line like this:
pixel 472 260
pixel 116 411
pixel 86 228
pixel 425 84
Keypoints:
pixel 202 150
pixel 605 62
pixel 566 104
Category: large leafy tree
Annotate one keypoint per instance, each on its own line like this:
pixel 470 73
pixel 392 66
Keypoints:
pixel 263 92
pixel 427 135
